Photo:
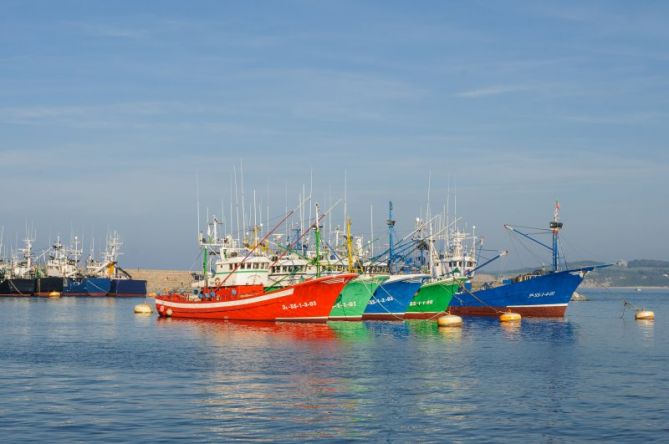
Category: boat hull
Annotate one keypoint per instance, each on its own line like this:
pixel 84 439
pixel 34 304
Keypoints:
pixel 432 299
pixel 17 287
pixel 88 286
pixel 128 288
pixel 352 301
pixel 46 285
pixel 309 301
pixel 391 299
pixel 542 296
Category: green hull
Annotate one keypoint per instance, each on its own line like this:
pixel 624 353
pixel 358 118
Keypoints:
pixel 432 298
pixel 352 301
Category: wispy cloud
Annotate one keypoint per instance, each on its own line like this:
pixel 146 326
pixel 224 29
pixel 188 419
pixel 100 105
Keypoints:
pixel 109 31
pixel 494 91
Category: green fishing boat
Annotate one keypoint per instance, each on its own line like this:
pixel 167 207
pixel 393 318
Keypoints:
pixel 433 298
pixel 353 299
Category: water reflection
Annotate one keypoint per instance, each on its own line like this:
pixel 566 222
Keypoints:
pixel 350 331
pixel 250 331
pixel 511 330
pixel 647 328
pixel 451 334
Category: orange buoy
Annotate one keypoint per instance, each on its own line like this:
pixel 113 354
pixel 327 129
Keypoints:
pixel 644 315
pixel 449 320
pixel 510 316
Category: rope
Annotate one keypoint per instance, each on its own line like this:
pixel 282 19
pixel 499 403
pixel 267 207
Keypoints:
pixel 19 292
pixel 628 304
pixel 383 306
pixel 367 286
pixel 479 299
pixel 448 309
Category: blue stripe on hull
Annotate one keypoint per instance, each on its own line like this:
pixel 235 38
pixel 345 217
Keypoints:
pixel 392 298
pixel 546 290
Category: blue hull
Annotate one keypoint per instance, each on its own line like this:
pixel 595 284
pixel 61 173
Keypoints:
pixel 391 299
pixel 128 288
pixel 89 286
pixel 542 296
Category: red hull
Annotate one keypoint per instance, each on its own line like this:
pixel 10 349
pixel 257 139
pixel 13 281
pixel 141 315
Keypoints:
pixel 547 311
pixel 309 301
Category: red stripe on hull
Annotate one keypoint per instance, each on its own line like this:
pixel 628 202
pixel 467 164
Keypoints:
pixel 382 317
pixel 309 301
pixel 530 312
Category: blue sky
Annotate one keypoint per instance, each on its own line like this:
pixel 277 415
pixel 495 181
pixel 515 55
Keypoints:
pixel 109 111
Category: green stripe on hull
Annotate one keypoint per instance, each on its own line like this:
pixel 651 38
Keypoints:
pixel 352 301
pixel 434 297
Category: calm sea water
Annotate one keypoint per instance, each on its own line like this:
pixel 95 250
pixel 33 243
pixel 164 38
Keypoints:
pixel 82 370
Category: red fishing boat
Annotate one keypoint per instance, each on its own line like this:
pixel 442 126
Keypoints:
pixel 309 301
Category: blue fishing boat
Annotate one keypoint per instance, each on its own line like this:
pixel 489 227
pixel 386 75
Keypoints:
pixel 537 294
pixel 128 288
pixel 541 293
pixel 87 286
pixel 391 299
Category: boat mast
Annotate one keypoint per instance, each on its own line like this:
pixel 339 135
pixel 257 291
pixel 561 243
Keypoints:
pixel 349 245
pixel 555 226
pixel 317 240
pixel 391 233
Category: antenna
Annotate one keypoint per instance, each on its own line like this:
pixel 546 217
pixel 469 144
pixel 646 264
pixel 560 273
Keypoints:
pixel 555 226
pixel 391 233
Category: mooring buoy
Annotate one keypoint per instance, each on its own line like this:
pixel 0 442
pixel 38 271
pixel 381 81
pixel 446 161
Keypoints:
pixel 449 320
pixel 644 315
pixel 54 294
pixel 510 316
pixel 143 309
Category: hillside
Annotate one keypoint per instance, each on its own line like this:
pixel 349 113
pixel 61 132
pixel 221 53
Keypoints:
pixel 635 273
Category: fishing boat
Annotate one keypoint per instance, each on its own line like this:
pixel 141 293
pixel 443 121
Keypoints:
pixel 237 287
pixel 541 293
pixel 236 290
pixel 308 301
pixel 352 302
pixel 60 267
pixel 391 299
pixel 433 298
pixel 19 275
pixel 106 278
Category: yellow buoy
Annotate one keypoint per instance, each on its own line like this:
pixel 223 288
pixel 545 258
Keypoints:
pixel 143 309
pixel 168 312
pixel 509 316
pixel 54 294
pixel 449 320
pixel 646 315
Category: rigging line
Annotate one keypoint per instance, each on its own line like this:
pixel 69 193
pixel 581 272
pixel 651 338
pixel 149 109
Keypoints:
pixel 378 301
pixel 237 265
pixel 480 300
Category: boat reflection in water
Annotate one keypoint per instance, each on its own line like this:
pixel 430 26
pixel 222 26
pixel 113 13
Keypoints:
pixel 252 332
pixel 348 331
